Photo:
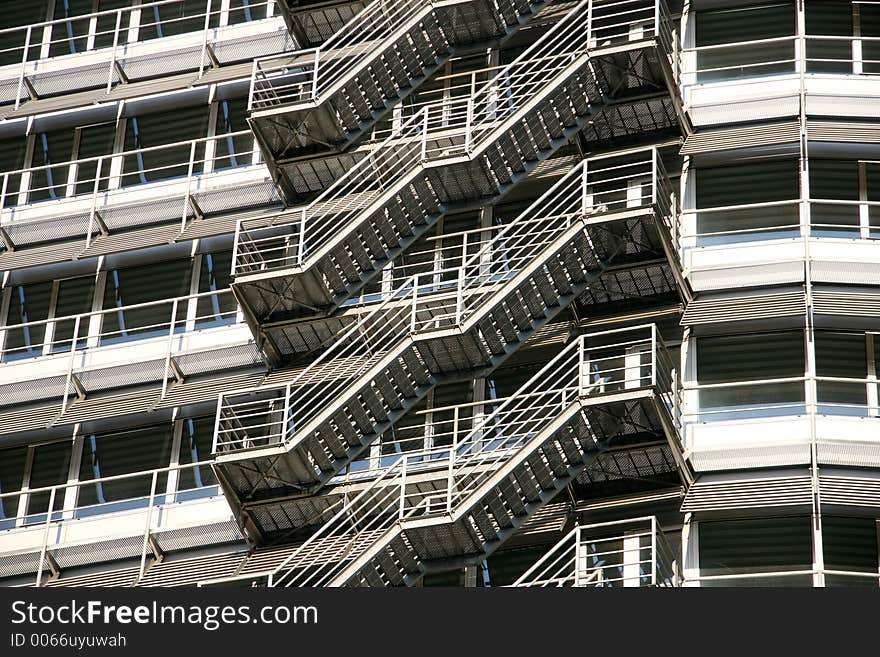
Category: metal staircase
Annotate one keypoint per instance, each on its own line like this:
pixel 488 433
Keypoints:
pixel 472 151
pixel 326 97
pixel 292 438
pixel 602 389
pixel 622 553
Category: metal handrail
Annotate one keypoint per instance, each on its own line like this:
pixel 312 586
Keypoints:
pixel 262 417
pixel 38 36
pixel 490 111
pixel 110 178
pixel 473 461
pixel 71 511
pixel 565 564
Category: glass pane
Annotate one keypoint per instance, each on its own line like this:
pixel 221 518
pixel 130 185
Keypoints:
pixel 70 37
pixel 195 446
pixel 74 298
pixel 115 454
pixel 106 23
pixel 27 303
pixel 144 134
pixel 50 467
pixel 850 544
pixel 11 476
pixel 244 11
pixel 216 274
pixel 20 14
pixel 755 546
pixel 53 152
pixel 12 157
pixel 94 141
pixel 144 284
pixel 232 151
pixel 175 18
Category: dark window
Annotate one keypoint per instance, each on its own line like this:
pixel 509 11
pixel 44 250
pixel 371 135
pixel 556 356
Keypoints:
pixel 829 19
pixel 743 184
pixel 729 26
pixel 757 546
pixel 144 133
pixel 195 446
pixel 50 467
pixel 836 180
pixel 727 359
pixel 11 476
pixel 27 304
pixel 215 275
pixel 232 151
pixel 143 284
pixel 74 298
pixel 841 355
pixel 114 454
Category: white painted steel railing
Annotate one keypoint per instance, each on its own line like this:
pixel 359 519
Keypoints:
pixel 181 169
pixel 52 507
pixel 438 132
pixel 581 370
pixel 112 31
pixel 596 190
pixel 624 553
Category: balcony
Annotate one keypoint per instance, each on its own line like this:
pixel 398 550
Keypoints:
pixel 147 514
pixel 165 190
pixel 161 341
pixel 101 50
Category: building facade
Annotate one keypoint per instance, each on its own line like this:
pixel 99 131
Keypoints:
pixel 454 293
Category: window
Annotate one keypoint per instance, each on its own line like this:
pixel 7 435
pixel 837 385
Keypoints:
pixel 215 275
pixel 109 455
pixel 829 19
pixel 232 151
pixel 850 544
pixel 53 153
pixel 13 152
pixel 196 441
pixel 756 182
pixel 769 23
pixel 144 133
pixel 834 180
pixel 140 285
pixel 19 14
pixel 841 356
pixel 761 545
pixel 12 462
pixel 50 466
pixel 174 18
pixel 28 304
pixel 757 357
pixel 244 11
pixel 74 297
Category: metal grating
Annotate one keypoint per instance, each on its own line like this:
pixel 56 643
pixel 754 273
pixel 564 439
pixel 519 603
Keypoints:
pixel 725 494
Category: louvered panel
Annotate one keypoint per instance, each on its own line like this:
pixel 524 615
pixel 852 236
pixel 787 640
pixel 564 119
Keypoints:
pixel 206 388
pixel 849 304
pixel 844 131
pixel 849 491
pixel 748 493
pixel 113 405
pixel 40 255
pixel 28 418
pixel 742 136
pixel 744 308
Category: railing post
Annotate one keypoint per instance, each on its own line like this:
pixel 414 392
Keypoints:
pixel 115 46
pixel 301 247
pixel 45 546
pixel 287 427
pixel 3 191
pixel 654 177
pixel 215 447
pixel 24 56
pixel 450 478
pixel 415 298
pixel 189 174
pixel 653 355
pixel 425 134
pixel 205 39
pixel 315 74
pixel 148 524
pixel 468 124
pixel 171 325
pixel 459 296
pixel 76 324
pixel 402 489
pixel 653 551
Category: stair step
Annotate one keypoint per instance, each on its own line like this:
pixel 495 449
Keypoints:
pixel 401 380
pixel 372 400
pixel 527 483
pixel 554 457
pixel 484 523
pixel 347 433
pixel 359 415
pixel 532 298
pixel 495 505
pixel 513 496
pixel 319 453
pixel 389 391
pixel 542 473
pixel 330 442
